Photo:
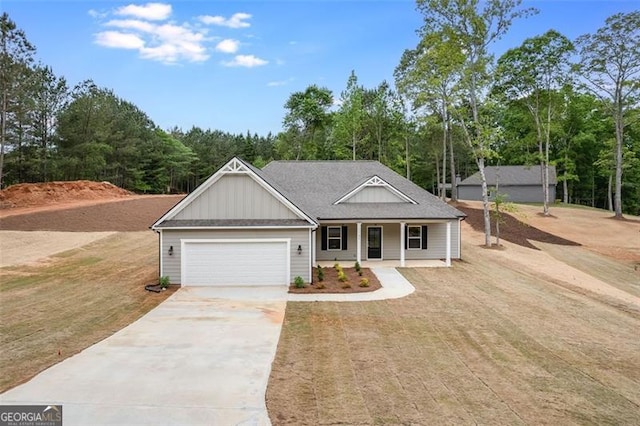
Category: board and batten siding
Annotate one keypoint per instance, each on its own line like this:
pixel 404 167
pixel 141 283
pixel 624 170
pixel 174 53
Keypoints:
pixel 436 242
pixel 235 197
pixel 300 263
pixel 374 194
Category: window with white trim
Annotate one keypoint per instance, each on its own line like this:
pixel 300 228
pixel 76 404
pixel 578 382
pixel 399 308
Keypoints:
pixel 334 237
pixel 414 237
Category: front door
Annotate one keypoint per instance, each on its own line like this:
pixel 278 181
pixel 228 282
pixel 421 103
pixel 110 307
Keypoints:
pixel 374 242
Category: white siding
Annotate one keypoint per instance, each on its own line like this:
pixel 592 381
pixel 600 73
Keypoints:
pixel 236 197
pixel 374 194
pixel 300 263
pixel 436 249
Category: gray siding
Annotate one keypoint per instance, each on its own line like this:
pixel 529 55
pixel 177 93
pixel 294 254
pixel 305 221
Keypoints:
pixel 515 194
pixel 300 263
pixel 374 194
pixel 436 248
pixel 235 197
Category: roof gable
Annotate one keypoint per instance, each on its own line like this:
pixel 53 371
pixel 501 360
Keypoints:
pixel 375 189
pixel 217 198
pixel 316 186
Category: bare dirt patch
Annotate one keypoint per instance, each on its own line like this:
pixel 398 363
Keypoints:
pixel 483 342
pixel 17 248
pixel 331 283
pixel 134 214
pixel 45 193
pixel 513 229
pixel 53 310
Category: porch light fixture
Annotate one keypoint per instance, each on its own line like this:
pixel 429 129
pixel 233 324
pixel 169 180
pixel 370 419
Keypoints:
pixel 170 250
pixel 299 249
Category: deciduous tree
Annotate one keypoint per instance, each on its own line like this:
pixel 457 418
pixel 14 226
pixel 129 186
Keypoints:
pixel 609 67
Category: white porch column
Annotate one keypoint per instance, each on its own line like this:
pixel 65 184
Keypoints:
pixel 402 238
pixel 312 248
pixel 359 243
pixel 448 258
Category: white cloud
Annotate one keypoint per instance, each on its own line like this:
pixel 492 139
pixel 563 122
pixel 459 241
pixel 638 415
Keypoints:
pixel 146 28
pixel 95 14
pixel 168 43
pixel 150 11
pixel 133 24
pixel 247 61
pixel 118 40
pixel 237 20
pixel 228 46
pixel 279 82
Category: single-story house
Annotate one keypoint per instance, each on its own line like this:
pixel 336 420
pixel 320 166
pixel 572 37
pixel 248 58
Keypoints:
pixel 246 226
pixel 521 184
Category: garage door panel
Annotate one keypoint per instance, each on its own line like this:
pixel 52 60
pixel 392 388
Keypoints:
pixel 235 263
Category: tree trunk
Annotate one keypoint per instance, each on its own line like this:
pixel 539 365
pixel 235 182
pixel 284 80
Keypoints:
pixel 485 203
pixel 619 139
pixel 407 156
pixel 438 175
pixel 497 203
pixel 452 170
pixel 565 190
pixel 443 194
pixel 3 128
pixel 353 145
pixel 545 178
pixel 609 195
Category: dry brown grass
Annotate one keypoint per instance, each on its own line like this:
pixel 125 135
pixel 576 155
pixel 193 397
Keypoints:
pixel 483 342
pixel 53 310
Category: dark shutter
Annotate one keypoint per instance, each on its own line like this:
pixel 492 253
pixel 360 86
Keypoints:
pixel 323 237
pixel 406 236
pixel 344 238
pixel 424 237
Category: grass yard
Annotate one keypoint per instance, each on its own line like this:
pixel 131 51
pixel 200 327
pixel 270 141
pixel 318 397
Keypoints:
pixel 483 342
pixel 53 310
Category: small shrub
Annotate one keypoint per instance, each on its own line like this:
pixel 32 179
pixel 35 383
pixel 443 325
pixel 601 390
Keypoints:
pixel 364 282
pixel 358 267
pixel 346 285
pixel 299 282
pixel 164 282
pixel 337 266
pixel 360 272
pixel 342 277
pixel 320 274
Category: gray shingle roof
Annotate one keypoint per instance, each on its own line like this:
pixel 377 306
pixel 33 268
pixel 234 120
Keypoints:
pixel 315 185
pixel 231 223
pixel 511 175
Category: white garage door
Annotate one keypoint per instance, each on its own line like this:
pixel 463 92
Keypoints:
pixel 235 262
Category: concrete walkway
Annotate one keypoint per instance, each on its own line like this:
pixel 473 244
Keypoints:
pixel 203 356
pixel 394 286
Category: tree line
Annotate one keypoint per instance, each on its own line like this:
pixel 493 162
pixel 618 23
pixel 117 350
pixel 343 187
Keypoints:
pixel 452 110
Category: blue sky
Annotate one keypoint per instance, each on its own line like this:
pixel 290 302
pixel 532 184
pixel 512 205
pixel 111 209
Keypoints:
pixel 231 65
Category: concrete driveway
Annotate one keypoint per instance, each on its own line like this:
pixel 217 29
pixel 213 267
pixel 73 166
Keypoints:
pixel 201 357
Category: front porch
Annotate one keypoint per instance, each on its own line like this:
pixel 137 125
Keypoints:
pixel 423 263
pixel 419 243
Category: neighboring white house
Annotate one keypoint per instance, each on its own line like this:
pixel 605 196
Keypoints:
pixel 521 184
pixel 246 226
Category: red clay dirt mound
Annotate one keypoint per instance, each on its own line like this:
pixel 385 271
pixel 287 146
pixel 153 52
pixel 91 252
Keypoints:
pixel 41 194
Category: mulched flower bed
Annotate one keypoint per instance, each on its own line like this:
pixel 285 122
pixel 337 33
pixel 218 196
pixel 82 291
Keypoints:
pixel 333 285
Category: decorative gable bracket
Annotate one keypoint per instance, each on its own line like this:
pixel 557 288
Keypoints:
pixel 234 166
pixel 376 181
